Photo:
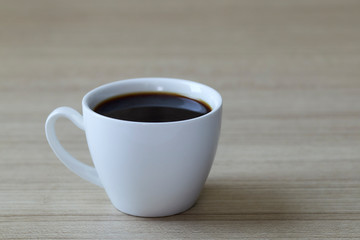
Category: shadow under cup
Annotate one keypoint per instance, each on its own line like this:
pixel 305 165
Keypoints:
pixel 152 169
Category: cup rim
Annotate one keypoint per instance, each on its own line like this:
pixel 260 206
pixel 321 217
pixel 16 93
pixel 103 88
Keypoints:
pixel 86 107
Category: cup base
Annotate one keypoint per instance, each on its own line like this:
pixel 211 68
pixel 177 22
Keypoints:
pixel 159 214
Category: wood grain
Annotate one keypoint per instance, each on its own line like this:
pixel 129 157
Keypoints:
pixel 288 162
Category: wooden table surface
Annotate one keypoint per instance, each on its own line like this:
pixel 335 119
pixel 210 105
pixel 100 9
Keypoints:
pixel 288 161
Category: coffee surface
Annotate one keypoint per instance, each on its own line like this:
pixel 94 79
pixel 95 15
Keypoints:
pixel 152 107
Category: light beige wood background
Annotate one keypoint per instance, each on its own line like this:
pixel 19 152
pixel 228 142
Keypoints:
pixel 288 162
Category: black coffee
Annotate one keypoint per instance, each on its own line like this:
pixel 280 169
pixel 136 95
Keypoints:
pixel 152 107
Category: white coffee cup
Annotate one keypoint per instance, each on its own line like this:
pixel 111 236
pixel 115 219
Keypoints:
pixel 147 169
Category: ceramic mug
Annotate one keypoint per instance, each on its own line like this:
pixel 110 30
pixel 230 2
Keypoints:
pixel 147 169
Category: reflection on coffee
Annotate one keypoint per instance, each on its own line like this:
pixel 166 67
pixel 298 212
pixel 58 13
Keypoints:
pixel 152 107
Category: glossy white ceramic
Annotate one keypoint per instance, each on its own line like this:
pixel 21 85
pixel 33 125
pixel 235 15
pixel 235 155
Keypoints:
pixel 147 169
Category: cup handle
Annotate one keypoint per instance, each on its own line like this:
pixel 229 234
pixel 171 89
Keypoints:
pixel 83 170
